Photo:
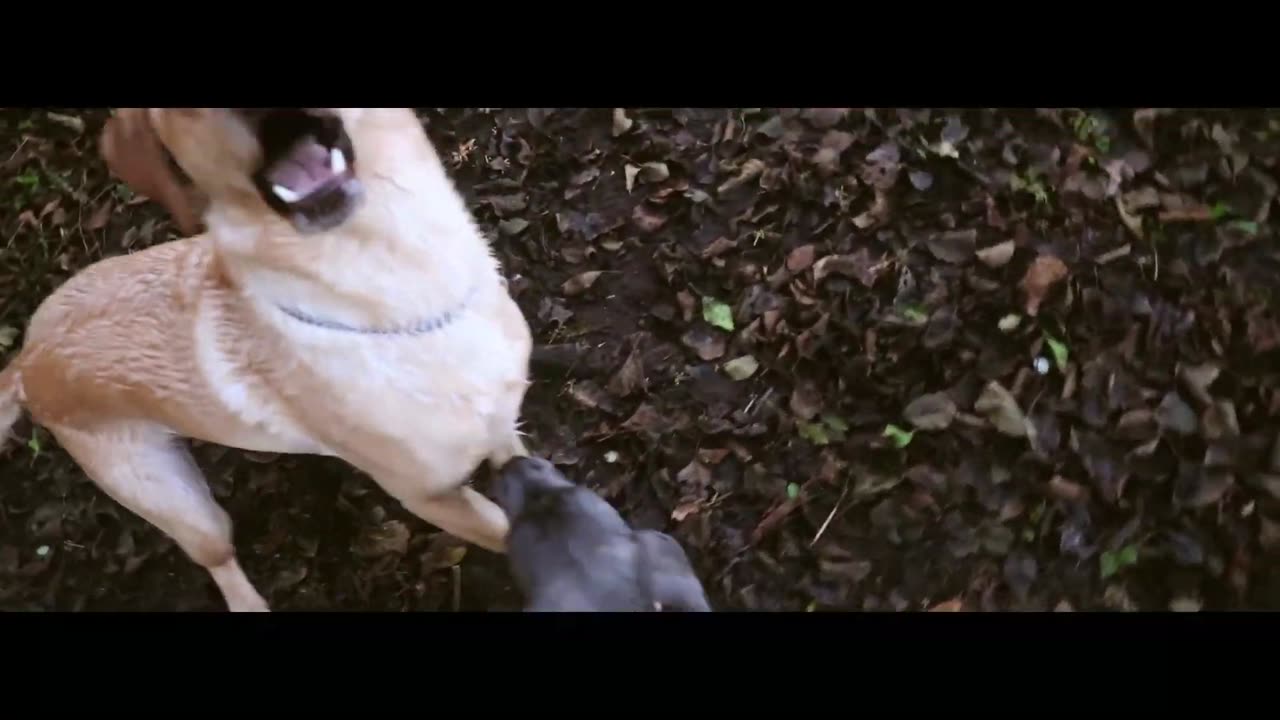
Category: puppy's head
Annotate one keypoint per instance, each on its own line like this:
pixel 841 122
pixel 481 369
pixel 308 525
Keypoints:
pixel 299 163
pixel 569 549
pixel 525 484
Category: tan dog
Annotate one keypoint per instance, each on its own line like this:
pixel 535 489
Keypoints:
pixel 342 302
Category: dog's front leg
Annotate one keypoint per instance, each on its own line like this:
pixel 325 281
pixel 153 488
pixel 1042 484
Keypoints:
pixel 463 513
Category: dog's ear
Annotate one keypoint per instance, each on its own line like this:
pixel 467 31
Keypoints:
pixel 133 152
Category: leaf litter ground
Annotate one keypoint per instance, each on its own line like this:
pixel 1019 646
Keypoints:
pixel 852 359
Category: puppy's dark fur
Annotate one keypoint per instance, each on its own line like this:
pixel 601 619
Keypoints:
pixel 570 551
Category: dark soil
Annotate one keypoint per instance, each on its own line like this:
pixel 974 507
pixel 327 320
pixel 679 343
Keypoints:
pixel 877 360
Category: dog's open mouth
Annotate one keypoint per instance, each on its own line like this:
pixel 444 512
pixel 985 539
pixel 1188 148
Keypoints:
pixel 308 172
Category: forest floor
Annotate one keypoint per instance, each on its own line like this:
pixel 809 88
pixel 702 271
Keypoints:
pixel 851 359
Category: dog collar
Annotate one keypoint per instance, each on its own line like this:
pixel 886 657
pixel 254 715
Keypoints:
pixel 429 325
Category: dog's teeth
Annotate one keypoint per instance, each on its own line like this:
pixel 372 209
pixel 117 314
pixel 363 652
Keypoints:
pixel 285 193
pixel 337 161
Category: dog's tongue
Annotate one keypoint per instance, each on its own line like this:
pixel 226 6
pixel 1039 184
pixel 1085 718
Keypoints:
pixel 307 166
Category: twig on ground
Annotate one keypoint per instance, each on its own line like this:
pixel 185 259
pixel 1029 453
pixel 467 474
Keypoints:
pixel 830 516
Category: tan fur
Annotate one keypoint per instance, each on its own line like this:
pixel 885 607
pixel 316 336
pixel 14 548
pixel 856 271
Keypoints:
pixel 186 339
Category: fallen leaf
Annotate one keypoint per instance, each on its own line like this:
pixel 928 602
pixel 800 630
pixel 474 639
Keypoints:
pixel 772 128
pixel 935 411
pixel 1112 562
pixel 1197 379
pixel 806 400
pixel 899 437
pixel 857 265
pixel 801 258
pixel 1219 421
pixel 952 605
pixel 1001 409
pixel 8 334
pixel 621 123
pixel 630 377
pixel 1059 351
pixel 1009 323
pixel 505 205
pixel 580 283
pixel 718 247
pixel 100 217
pixel 585 176
pixel 646 419
pixel 997 255
pixel 955 246
pixel 883 166
pixel 631 171
pixel 1041 276
pixel 750 170
pixel 717 313
pixel 654 172
pixel 823 118
pixel 813 432
pixel 514 226
pixel 1133 222
pixel 1064 489
pixel 1175 415
pixel 443 552
pixel 647 220
pixel 741 368
pixel 684 510
pixel 920 180
pixel 68 121
pixel 707 344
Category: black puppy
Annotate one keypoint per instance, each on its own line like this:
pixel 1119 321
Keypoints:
pixel 570 551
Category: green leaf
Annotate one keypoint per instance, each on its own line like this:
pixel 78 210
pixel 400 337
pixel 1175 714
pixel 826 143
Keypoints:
pixel 717 313
pixel 1247 226
pixel 1109 564
pixel 34 444
pixel 1128 555
pixel 1219 211
pixel 793 491
pixel 901 438
pixel 835 422
pixel 915 314
pixel 1113 562
pixel 814 433
pixel 1059 350
pixel 29 178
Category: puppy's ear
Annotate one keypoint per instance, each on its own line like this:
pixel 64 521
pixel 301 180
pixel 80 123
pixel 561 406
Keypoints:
pixel 133 153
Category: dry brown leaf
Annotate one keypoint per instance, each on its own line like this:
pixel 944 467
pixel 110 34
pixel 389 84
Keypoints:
pixel 684 510
pixel 952 605
pixel 801 258
pixel 647 220
pixel 1043 274
pixel 997 255
pixel 581 282
pixel 719 246
pixel 621 123
pixel 751 169
pixel 630 376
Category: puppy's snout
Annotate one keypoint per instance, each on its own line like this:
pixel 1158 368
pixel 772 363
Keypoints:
pixel 525 466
